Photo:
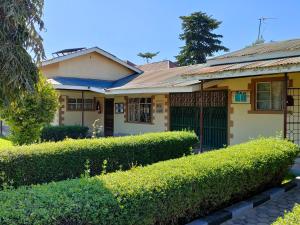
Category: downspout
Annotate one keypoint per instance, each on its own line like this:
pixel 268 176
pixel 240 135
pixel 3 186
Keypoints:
pixel 82 110
pixel 201 130
pixel 285 105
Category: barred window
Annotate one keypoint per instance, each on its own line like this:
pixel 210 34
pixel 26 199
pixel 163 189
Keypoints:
pixel 75 104
pixel 269 95
pixel 139 110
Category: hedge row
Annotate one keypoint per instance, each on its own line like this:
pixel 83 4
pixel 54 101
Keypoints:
pixel 59 133
pixel 169 192
pixel 47 162
pixel 291 218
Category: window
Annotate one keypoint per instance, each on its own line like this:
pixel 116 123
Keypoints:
pixel 75 104
pixel 269 95
pixel 139 110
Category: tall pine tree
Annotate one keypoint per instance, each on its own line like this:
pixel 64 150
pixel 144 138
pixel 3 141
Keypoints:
pixel 200 42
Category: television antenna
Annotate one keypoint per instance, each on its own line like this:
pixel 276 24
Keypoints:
pixel 261 20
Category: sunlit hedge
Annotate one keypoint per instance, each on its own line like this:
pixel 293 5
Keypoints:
pixel 169 192
pixel 51 161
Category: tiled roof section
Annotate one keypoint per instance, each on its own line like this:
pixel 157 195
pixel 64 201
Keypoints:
pixel 246 66
pixel 278 46
pixel 166 64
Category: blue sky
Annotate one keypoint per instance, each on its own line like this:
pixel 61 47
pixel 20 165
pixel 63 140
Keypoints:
pixel 125 28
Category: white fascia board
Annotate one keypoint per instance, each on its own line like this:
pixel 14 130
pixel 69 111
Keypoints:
pixel 87 51
pixel 78 88
pixel 245 73
pixel 156 90
pixel 240 59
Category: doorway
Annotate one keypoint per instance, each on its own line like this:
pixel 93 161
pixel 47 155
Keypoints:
pixel 109 117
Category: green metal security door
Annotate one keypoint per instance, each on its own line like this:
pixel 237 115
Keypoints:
pixel 185 115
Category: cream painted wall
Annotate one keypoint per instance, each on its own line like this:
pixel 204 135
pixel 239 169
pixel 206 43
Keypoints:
pixel 92 65
pixel 246 125
pixel 160 121
pixel 75 117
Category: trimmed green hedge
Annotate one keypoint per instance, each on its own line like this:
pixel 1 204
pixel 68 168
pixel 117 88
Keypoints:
pixel 47 162
pixel 60 133
pixel 168 192
pixel 291 218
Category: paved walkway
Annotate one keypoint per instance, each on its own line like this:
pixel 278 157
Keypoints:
pixel 268 212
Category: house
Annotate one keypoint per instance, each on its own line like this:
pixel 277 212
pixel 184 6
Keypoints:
pixel 251 92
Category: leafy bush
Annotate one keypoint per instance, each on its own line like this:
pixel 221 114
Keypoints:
pixel 291 218
pixel 47 162
pixel 59 133
pixel 30 112
pixel 168 192
pixel 4 143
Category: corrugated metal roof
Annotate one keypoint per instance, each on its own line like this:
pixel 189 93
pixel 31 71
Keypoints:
pixel 176 77
pixel 278 46
pixel 246 66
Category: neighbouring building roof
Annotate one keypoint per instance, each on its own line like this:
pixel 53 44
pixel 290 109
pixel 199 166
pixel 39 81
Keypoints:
pixel 247 68
pixel 84 51
pixel 276 46
pixel 165 64
pixel 272 50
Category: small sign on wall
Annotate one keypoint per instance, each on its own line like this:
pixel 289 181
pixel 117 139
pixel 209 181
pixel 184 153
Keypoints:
pixel 240 97
pixel 119 107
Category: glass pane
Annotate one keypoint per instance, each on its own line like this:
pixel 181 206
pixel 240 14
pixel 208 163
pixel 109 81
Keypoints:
pixel 71 100
pixel 263 96
pixel 277 92
pixel 264 86
pixel 264 105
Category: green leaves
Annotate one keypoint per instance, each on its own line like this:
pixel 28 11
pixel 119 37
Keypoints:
pixel 200 42
pixel 19 21
pixel 46 162
pixel 27 114
pixel 168 192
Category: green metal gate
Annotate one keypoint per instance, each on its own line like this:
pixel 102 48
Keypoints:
pixel 185 115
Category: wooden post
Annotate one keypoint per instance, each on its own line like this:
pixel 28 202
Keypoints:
pixel 82 110
pixel 201 117
pixel 285 105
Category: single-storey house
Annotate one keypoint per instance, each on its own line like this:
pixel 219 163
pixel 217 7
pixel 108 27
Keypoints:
pixel 251 92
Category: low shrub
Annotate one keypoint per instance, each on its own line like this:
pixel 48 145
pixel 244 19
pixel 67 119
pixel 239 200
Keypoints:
pixel 290 218
pixel 59 133
pixel 169 192
pixel 51 161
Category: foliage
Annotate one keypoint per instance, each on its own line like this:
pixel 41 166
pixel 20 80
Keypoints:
pixel 59 133
pixel 168 192
pixel 19 22
pixel 30 112
pixel 290 218
pixel 4 143
pixel 50 161
pixel 200 42
pixel 148 55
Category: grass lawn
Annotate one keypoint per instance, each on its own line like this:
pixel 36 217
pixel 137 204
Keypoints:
pixel 4 143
